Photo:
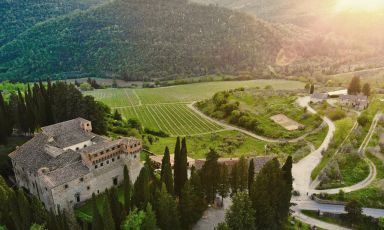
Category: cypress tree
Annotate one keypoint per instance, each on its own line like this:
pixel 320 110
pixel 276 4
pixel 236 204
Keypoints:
pixel 286 189
pixel 167 213
pixel 108 221
pixel 266 196
pixel 251 174
pixel 127 190
pixel 97 223
pixel 242 173
pixel 234 179
pixel 190 210
pixel 241 215
pixel 183 164
pixel 22 114
pixel 176 168
pixel 116 207
pixel 141 192
pixel 354 86
pixel 223 182
pixel 166 176
pixel 39 215
pixel 209 174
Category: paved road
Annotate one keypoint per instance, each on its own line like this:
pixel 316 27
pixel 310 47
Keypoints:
pixel 301 171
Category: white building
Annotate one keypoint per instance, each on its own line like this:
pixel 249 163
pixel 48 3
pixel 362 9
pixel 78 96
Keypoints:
pixel 65 163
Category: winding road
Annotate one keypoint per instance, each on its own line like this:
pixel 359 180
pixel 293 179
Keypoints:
pixel 301 172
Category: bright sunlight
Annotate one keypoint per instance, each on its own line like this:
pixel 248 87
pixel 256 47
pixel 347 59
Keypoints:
pixel 359 5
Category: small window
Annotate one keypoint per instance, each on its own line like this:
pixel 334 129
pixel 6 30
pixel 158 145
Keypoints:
pixel 95 166
pixel 134 156
pixel 87 124
pixel 101 164
pixel 77 148
pixel 118 157
pixel 46 189
pixel 98 191
pixel 114 180
pixel 85 146
pixel 88 187
pixel 108 162
pixel 81 179
pixel 66 186
pixel 113 159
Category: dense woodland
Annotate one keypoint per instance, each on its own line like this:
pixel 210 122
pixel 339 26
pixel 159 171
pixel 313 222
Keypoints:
pixel 42 105
pixel 18 16
pixel 138 39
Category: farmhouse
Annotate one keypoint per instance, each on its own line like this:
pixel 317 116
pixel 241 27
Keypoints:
pixel 319 97
pixel 258 161
pixel 65 163
pixel 358 102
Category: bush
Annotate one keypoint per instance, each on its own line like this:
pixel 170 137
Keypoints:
pixel 336 114
pixel 158 133
pixel 363 120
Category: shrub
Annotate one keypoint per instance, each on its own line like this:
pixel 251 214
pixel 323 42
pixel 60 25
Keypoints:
pixel 363 120
pixel 336 114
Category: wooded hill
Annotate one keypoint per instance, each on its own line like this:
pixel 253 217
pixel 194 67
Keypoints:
pixel 136 39
pixel 16 16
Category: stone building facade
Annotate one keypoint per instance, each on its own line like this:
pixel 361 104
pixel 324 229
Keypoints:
pixel 65 163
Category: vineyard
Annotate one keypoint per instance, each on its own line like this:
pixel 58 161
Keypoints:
pixel 166 108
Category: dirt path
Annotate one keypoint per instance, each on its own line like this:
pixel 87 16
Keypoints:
pixel 251 134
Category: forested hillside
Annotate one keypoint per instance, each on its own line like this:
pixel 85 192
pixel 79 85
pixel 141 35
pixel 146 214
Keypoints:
pixel 136 39
pixel 16 16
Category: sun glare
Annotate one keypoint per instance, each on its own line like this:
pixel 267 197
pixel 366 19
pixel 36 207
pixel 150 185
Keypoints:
pixel 360 5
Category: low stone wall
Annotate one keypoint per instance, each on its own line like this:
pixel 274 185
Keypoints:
pixel 321 201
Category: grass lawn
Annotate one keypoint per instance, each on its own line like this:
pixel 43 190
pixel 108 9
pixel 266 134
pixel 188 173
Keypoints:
pixel 342 220
pixel 317 138
pixel 229 144
pixel 353 169
pixel 342 129
pixel 166 108
pixel 252 109
pixel 373 195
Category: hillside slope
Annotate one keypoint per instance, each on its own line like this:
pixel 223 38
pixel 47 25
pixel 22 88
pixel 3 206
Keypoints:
pixel 136 39
pixel 16 16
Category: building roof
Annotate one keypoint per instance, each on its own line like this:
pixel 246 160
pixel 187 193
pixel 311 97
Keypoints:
pixel 259 162
pixel 159 158
pixel 65 174
pixel 354 97
pixel 68 133
pixel 320 96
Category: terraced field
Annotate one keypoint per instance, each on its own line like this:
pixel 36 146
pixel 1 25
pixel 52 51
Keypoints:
pixel 166 108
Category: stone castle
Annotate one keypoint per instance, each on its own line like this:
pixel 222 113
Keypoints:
pixel 65 163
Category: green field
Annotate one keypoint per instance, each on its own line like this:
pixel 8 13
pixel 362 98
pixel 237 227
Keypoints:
pixel 166 108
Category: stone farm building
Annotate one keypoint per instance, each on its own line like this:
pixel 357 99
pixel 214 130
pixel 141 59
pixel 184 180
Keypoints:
pixel 65 163
pixel 258 161
pixel 359 102
pixel 319 97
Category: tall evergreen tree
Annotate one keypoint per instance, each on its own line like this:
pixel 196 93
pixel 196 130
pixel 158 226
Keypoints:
pixel 97 222
pixel 127 190
pixel 167 213
pixel 39 214
pixel 265 196
pixel 286 189
pixel 3 121
pixel 209 173
pixel 183 163
pixel 366 89
pixel 166 176
pixel 223 181
pixel 116 207
pixel 251 174
pixel 234 182
pixel 108 221
pixel 241 215
pixel 141 192
pixel 22 114
pixel 354 86
pixel 176 168
pixel 242 173
pixel 189 208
